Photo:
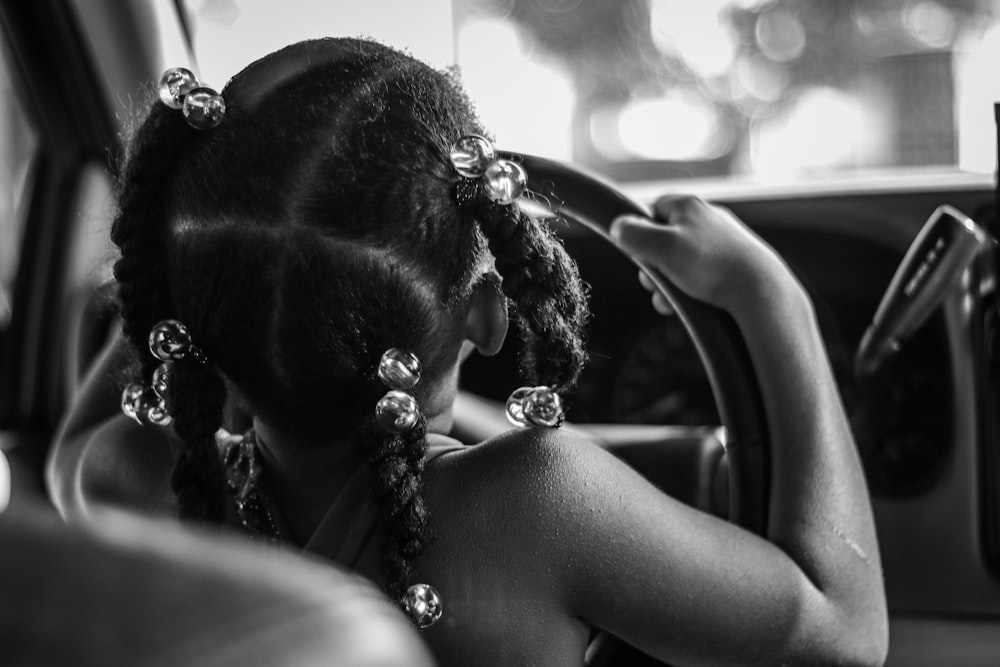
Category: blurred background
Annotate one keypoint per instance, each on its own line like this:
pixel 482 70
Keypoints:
pixel 750 91
pixel 653 89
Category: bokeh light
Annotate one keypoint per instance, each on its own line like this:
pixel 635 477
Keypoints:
pixel 679 126
pixel 825 128
pixel 694 32
pixel 780 35
pixel 930 23
pixel 757 79
pixel 528 104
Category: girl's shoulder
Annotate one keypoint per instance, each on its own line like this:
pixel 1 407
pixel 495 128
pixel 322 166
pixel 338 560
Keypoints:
pixel 520 454
pixel 499 510
pixel 524 475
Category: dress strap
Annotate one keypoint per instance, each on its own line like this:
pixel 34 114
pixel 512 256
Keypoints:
pixel 350 527
pixel 348 530
pixel 350 524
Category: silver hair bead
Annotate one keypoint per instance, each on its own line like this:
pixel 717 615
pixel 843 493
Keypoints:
pixel 169 340
pixel 152 410
pixel 161 379
pixel 544 408
pixel 422 603
pixel 399 369
pixel 505 181
pixel 397 412
pixel 204 108
pixel 175 84
pixel 515 406
pixel 471 155
pixel 535 406
pixel 144 406
pixel 130 399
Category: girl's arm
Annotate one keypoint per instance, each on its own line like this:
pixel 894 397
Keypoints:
pixel 683 585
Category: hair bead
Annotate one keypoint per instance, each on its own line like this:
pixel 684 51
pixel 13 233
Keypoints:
pixel 144 406
pixel 399 369
pixel 515 406
pixel 169 340
pixel 175 84
pixel 130 400
pixel 422 603
pixel 397 412
pixel 544 408
pixel 204 108
pixel 474 157
pixel 161 379
pixel 151 409
pixel 471 155
pixel 505 181
pixel 535 406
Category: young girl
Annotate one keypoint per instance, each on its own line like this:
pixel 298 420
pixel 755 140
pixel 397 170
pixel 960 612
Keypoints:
pixel 322 244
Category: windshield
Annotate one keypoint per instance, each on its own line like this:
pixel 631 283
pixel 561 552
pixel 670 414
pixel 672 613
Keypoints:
pixel 769 91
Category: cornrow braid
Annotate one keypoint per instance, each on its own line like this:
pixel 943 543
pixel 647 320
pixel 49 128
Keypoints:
pixel 140 230
pixel 549 299
pixel 397 463
pixel 139 226
pixel 197 400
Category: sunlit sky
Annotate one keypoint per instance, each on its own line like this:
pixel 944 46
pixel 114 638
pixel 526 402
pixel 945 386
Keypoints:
pixel 528 102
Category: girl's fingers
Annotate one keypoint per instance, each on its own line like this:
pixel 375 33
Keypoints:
pixel 678 209
pixel 644 239
pixel 661 305
pixel 646 283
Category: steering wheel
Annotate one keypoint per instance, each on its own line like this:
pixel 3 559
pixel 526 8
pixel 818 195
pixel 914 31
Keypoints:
pixel 585 199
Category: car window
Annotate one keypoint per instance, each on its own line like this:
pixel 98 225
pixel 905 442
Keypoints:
pixel 766 90
pixel 17 147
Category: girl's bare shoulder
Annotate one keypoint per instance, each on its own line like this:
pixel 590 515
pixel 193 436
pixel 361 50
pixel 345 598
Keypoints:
pixel 538 462
pixel 530 486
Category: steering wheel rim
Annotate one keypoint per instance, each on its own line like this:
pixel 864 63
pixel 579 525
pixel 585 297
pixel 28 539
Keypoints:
pixel 593 202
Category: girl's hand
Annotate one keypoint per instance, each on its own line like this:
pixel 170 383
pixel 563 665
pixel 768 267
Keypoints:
pixel 705 250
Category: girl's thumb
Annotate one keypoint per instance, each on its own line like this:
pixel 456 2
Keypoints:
pixel 641 237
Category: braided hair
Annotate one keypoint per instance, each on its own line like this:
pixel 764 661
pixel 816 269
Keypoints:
pixel 140 230
pixel 314 228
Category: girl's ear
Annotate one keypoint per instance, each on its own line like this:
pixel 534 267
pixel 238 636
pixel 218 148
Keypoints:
pixel 486 322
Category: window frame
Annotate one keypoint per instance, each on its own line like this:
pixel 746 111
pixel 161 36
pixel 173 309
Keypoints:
pixel 52 74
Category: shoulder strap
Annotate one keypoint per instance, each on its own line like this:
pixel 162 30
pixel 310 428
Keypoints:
pixel 350 526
